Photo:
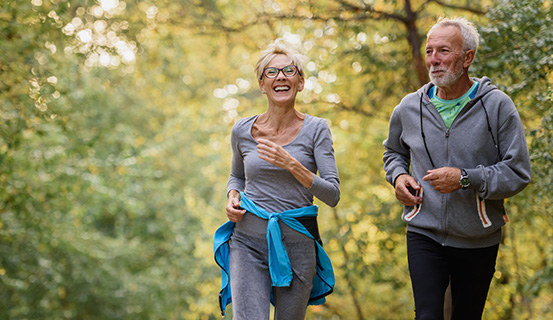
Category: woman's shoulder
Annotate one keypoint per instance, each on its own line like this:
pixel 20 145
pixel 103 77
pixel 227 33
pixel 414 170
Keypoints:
pixel 244 124
pixel 315 123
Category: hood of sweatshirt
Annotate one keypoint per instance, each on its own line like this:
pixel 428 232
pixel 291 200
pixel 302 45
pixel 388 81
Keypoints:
pixel 485 86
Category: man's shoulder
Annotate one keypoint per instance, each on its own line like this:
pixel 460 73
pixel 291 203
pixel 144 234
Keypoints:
pixel 492 93
pixel 412 99
pixel 486 87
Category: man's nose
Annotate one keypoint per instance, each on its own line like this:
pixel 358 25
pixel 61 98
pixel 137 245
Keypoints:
pixel 434 58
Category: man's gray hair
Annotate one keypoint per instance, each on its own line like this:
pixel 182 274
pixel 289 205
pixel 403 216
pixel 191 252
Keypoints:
pixel 468 31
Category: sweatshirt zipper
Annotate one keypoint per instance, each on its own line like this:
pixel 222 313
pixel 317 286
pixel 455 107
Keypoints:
pixel 445 195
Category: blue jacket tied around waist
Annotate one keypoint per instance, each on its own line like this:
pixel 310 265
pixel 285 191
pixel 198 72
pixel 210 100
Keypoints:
pixel 279 264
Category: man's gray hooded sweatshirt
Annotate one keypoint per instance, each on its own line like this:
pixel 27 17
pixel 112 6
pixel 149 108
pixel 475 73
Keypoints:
pixel 486 139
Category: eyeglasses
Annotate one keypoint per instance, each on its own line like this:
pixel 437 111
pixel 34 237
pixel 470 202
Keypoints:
pixel 288 71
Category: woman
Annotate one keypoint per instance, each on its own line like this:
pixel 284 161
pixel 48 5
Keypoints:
pixel 275 253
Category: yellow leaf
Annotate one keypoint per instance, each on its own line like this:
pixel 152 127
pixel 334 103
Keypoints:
pixel 93 169
pixel 140 141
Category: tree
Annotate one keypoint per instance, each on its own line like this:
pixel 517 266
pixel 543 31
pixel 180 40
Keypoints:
pixel 115 133
pixel 524 71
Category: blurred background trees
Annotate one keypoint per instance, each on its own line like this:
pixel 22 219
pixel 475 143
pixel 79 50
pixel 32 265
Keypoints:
pixel 114 147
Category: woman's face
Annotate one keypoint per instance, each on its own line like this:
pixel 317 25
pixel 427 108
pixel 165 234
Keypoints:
pixel 281 90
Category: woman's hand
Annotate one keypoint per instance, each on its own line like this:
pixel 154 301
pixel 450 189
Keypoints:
pixel 274 154
pixel 234 212
pixel 278 156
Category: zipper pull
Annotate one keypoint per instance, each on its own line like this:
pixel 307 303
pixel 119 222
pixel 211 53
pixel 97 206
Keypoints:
pixel 447 133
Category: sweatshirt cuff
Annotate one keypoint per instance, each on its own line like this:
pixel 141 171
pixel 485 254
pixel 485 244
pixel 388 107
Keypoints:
pixel 395 175
pixel 476 178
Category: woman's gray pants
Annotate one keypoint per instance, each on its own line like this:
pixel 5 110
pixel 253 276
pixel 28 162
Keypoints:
pixel 250 279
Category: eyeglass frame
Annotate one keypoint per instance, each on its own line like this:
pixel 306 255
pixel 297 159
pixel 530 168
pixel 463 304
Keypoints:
pixel 279 70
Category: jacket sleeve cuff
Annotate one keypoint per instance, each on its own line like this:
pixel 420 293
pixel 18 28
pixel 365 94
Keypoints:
pixel 476 179
pixel 395 175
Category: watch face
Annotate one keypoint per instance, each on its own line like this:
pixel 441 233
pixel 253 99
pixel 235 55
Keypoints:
pixel 465 181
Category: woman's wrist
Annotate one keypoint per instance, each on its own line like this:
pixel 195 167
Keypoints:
pixel 233 194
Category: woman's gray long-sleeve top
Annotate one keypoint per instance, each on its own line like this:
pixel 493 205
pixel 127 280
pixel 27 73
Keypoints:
pixel 275 189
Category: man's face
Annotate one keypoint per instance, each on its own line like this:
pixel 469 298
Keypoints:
pixel 445 56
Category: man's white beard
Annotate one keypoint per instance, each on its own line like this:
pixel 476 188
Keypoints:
pixel 448 79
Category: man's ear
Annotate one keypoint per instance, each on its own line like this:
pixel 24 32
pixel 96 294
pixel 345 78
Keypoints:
pixel 469 57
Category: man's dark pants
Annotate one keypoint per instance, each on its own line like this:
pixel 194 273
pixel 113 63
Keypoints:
pixel 432 266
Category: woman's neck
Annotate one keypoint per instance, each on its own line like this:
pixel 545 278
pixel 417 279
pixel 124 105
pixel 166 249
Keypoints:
pixel 279 118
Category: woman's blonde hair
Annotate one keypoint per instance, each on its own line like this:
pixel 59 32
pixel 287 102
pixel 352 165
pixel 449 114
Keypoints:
pixel 279 46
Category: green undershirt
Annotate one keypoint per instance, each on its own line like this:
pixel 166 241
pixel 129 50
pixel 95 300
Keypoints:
pixel 449 109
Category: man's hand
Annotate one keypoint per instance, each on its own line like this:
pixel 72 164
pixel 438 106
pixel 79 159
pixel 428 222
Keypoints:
pixel 445 179
pixel 403 194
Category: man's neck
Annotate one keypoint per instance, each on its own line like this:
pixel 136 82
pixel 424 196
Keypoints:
pixel 455 91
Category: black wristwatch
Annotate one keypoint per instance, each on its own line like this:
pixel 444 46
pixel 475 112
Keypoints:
pixel 465 180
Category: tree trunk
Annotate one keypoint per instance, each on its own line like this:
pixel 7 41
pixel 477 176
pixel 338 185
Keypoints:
pixel 415 43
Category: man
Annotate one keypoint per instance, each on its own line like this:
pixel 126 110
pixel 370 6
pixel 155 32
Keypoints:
pixel 455 150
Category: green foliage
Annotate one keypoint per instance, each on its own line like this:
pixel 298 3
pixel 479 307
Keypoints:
pixel 114 148
pixel 517 52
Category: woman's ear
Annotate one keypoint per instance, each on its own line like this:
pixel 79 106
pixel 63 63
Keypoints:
pixel 301 84
pixel 261 86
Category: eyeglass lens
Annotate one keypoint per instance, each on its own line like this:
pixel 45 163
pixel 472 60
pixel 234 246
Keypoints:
pixel 288 71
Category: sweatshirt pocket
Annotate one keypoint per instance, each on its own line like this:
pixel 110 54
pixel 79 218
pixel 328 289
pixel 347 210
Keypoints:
pixel 482 214
pixel 415 209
